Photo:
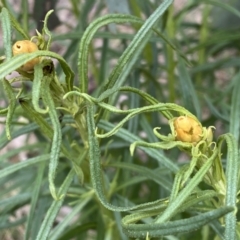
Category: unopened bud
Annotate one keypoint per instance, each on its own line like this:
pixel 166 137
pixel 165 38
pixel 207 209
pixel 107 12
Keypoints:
pixel 187 129
pixel 26 46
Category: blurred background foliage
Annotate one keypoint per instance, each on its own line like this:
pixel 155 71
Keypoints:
pixel 205 32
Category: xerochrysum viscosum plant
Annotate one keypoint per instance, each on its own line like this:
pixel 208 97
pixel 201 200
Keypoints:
pixel 50 99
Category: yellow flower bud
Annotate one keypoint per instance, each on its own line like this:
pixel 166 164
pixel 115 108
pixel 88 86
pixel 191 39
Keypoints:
pixel 26 46
pixel 187 129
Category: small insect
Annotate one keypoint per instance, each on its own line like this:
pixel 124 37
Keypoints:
pixel 26 46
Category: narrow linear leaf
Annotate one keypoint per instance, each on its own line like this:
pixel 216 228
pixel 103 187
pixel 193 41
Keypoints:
pixel 135 111
pixel 182 196
pixel 198 197
pixel 17 166
pixel 172 227
pixel 3 111
pixel 26 129
pixel 16 151
pixel 34 200
pixel 10 203
pixel 11 107
pixel 6 27
pixel 7 225
pixel 223 5
pixel 218 228
pixel 156 176
pixel 61 228
pixel 36 88
pixel 46 30
pixel 221 63
pixel 57 134
pixel 25 15
pixel 17 61
pixel 234 127
pixel 188 91
pixel 232 182
pixel 78 230
pixel 54 208
pixel 109 92
pixel 215 111
pixel 15 23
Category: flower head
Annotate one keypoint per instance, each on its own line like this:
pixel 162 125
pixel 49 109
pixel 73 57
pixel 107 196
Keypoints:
pixel 26 46
pixel 187 129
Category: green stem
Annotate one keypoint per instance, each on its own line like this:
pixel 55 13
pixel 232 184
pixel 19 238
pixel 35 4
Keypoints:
pixel 80 121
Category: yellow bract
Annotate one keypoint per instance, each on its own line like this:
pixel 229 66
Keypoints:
pixel 26 46
pixel 187 129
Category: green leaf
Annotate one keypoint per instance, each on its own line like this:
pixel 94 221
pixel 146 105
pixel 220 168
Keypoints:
pixel 17 166
pixel 36 88
pixel 147 97
pixel 35 197
pixel 60 228
pixel 25 15
pixel 157 176
pixel 4 224
pixel 6 27
pixel 11 107
pixel 46 30
pixel 189 94
pixel 57 134
pixel 15 23
pixel 17 61
pixel 160 107
pixel 223 5
pixel 232 182
pixel 17 151
pixel 10 203
pixel 182 196
pixel 172 227
pixel 234 127
pixel 54 208
pixel 26 129
pixel 77 230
